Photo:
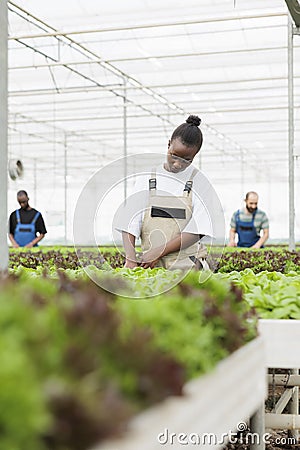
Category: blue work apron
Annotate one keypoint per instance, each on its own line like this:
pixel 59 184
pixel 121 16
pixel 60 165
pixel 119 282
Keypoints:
pixel 25 232
pixel 247 234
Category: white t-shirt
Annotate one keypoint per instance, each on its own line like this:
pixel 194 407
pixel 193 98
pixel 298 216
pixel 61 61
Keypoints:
pixel 204 201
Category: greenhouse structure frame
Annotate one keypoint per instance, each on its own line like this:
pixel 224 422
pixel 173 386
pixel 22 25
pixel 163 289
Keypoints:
pixel 81 96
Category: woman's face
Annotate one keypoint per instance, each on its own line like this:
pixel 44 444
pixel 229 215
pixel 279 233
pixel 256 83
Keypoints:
pixel 179 156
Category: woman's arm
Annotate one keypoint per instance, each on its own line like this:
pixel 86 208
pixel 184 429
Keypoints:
pixel 129 247
pixel 180 242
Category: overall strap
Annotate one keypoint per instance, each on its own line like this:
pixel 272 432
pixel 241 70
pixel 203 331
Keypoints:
pixel 189 184
pixel 237 215
pixel 18 216
pixel 35 217
pixel 253 217
pixel 152 182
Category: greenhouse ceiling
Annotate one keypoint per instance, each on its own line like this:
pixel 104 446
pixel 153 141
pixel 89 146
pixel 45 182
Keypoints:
pixel 90 80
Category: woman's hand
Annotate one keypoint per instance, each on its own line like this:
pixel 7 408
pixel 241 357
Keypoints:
pixel 130 264
pixel 151 257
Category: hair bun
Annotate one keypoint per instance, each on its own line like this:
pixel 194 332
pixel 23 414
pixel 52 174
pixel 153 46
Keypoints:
pixel 194 120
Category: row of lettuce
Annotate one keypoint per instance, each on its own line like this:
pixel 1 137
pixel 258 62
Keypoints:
pixel 273 295
pixel 77 362
pixel 223 260
pixel 74 353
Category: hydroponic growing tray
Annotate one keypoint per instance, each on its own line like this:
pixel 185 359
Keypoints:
pixel 213 404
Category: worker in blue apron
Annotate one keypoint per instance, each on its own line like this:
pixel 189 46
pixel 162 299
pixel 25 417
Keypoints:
pixel 26 225
pixel 248 224
pixel 25 232
pixel 247 234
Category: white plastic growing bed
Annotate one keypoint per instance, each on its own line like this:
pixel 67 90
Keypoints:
pixel 213 404
pixel 281 338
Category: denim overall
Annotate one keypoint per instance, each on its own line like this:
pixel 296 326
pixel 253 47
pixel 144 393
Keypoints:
pixel 25 232
pixel 164 219
pixel 246 231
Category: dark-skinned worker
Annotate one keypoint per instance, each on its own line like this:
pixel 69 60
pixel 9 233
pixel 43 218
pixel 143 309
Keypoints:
pixel 26 224
pixel 174 217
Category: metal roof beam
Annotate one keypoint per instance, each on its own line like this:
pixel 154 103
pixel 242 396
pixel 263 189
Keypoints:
pixel 149 58
pixel 120 116
pixel 146 25
pixel 64 105
pixel 80 89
